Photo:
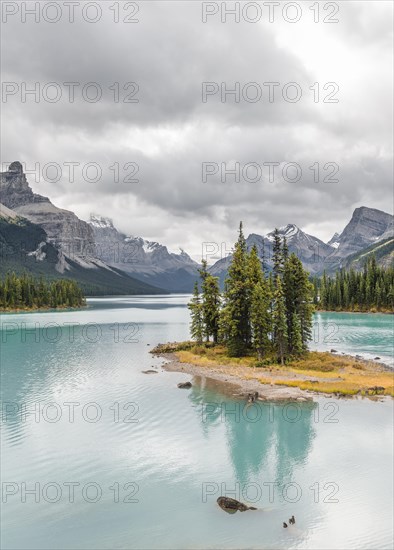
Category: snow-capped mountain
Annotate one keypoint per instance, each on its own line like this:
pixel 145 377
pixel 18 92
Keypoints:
pixel 366 227
pixel 97 246
pixel 100 222
pixel 334 241
pixel 311 250
pixel 72 236
pixel 146 260
pixel 37 236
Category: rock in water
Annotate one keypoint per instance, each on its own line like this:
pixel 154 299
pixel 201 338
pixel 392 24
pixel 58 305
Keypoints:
pixel 149 371
pixel 184 385
pixel 231 505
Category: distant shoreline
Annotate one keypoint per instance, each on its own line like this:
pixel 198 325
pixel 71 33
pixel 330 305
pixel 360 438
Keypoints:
pixel 45 308
pixel 353 311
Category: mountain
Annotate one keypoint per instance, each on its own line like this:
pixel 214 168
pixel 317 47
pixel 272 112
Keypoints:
pixel 38 237
pixel 366 227
pixel 334 241
pixel 311 250
pixel 24 246
pixel 382 250
pixel 366 231
pixel 147 261
pixel 64 229
pixel 99 255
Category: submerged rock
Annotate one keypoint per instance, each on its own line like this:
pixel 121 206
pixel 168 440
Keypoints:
pixel 184 385
pixel 149 371
pixel 231 505
pixel 251 397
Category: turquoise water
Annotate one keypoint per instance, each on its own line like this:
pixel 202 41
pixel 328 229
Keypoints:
pixel 370 335
pixel 147 461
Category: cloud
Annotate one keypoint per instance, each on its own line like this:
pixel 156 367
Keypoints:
pixel 170 132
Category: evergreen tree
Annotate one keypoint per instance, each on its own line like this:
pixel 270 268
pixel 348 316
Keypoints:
pixel 196 324
pixel 303 300
pixel 260 318
pixel 211 307
pixel 285 251
pixel 235 323
pixel 277 255
pixel 26 292
pixel 297 343
pixel 280 322
pixel 369 289
pixel 255 272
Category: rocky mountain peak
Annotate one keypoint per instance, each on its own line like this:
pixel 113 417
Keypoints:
pixel 14 187
pixel 64 229
pixel 289 231
pixel 101 221
pixel 16 167
pixel 334 241
pixel 366 227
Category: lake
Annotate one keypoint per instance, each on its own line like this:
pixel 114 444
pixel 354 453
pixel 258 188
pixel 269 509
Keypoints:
pixel 97 455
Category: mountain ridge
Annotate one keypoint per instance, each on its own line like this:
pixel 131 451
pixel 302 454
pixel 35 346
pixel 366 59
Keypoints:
pixel 148 261
pixel 98 244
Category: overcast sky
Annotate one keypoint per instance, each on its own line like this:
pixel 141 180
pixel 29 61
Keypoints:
pixel 171 132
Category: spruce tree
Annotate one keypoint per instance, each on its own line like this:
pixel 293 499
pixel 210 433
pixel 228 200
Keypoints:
pixel 235 315
pixel 303 298
pixel 210 303
pixel 297 343
pixel 255 272
pixel 211 306
pixel 280 322
pixel 285 251
pixel 196 324
pixel 260 319
pixel 277 255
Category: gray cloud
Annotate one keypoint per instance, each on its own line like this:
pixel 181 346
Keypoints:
pixel 171 132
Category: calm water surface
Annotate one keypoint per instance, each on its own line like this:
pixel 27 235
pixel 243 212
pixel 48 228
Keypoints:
pixel 140 463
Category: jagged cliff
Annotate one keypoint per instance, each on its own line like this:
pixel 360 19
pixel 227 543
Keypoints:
pixel 366 227
pixel 99 245
pixel 148 261
pixel 64 229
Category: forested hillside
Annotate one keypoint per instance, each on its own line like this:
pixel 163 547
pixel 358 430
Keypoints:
pixel 27 292
pixel 369 290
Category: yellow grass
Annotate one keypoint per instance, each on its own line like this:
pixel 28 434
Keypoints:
pixel 317 371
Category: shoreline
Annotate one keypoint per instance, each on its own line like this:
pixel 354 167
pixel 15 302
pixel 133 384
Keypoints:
pixel 232 385
pixel 353 311
pixel 239 381
pixel 36 309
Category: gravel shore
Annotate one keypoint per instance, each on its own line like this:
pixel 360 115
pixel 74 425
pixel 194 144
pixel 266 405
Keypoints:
pixel 235 384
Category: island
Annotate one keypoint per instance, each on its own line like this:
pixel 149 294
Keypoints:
pixel 327 373
pixel 255 334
